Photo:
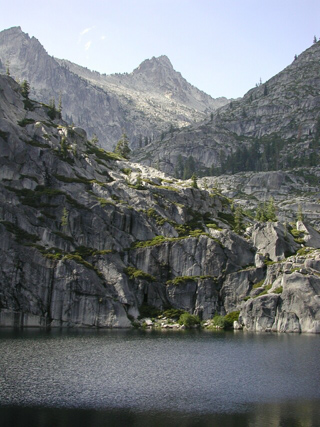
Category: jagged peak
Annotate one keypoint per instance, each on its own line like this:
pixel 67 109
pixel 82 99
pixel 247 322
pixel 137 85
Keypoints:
pixel 160 61
pixel 16 29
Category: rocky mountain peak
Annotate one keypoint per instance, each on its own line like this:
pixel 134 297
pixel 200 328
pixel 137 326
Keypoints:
pixel 154 63
pixel 145 102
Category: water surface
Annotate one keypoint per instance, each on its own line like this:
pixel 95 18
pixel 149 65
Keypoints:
pixel 182 378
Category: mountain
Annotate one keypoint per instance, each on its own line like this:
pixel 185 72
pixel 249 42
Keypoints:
pixel 89 239
pixel 275 126
pixel 145 103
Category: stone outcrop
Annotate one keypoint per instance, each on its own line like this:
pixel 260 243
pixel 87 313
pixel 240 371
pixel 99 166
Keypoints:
pixel 290 302
pixel 273 240
pixel 90 239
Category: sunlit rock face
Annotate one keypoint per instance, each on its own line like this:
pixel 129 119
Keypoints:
pixel 88 239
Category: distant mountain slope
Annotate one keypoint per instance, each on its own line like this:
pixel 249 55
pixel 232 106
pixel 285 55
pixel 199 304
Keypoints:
pixel 145 103
pixel 274 126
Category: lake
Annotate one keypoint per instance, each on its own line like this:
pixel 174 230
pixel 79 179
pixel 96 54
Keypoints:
pixel 173 378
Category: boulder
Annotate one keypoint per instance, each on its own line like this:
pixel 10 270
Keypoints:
pixel 272 238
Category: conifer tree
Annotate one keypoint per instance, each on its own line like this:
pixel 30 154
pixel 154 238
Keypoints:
pixel 238 220
pixel 194 183
pixel 25 89
pixel 271 210
pixel 122 147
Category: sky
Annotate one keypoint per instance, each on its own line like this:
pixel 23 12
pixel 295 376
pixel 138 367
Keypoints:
pixel 222 47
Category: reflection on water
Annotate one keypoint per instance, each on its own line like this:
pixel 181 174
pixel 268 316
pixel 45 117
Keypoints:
pixel 134 378
pixel 297 414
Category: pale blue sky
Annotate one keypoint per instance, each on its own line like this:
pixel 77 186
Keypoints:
pixel 222 47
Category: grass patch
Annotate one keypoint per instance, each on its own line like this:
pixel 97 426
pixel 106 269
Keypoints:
pixel 214 226
pixel 264 292
pixel 79 260
pixel 134 273
pixel 258 284
pixel 25 122
pixel 33 178
pixel 305 251
pixel 38 144
pixel 101 154
pixel 182 280
pixel 173 313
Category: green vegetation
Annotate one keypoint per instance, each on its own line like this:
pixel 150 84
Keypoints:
pixel 194 183
pixel 78 259
pixel 122 148
pixel 4 135
pixel 101 154
pixel 173 313
pixel 264 291
pixel 126 171
pixel 24 122
pixel 305 251
pixel 64 217
pixel 147 310
pixel 297 235
pixel 188 320
pixel 25 89
pixel 33 197
pixel 52 111
pixel 181 280
pixel 158 240
pixel 134 273
pixel 278 290
pixel 38 144
pixel 225 322
pixel 214 225
pixel 266 211
pixel 258 284
pixel 21 235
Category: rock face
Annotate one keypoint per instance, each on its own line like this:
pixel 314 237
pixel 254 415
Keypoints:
pixel 295 305
pixel 291 190
pixel 274 240
pixel 274 124
pixel 89 239
pixel 144 103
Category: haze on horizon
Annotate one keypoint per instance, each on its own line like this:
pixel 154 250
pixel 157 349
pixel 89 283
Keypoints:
pixel 221 48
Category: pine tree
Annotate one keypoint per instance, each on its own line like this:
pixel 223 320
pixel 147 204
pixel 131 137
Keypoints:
pixel 194 183
pixel 122 147
pixel 8 68
pixel 271 210
pixel 25 89
pixel 238 220
pixel 299 213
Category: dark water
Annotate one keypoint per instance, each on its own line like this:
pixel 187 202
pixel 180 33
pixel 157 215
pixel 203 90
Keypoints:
pixel 134 378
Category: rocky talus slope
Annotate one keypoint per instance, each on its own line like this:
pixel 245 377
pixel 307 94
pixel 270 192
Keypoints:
pixel 89 239
pixel 144 103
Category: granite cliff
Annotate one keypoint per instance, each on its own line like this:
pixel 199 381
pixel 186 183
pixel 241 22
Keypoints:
pixel 90 239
